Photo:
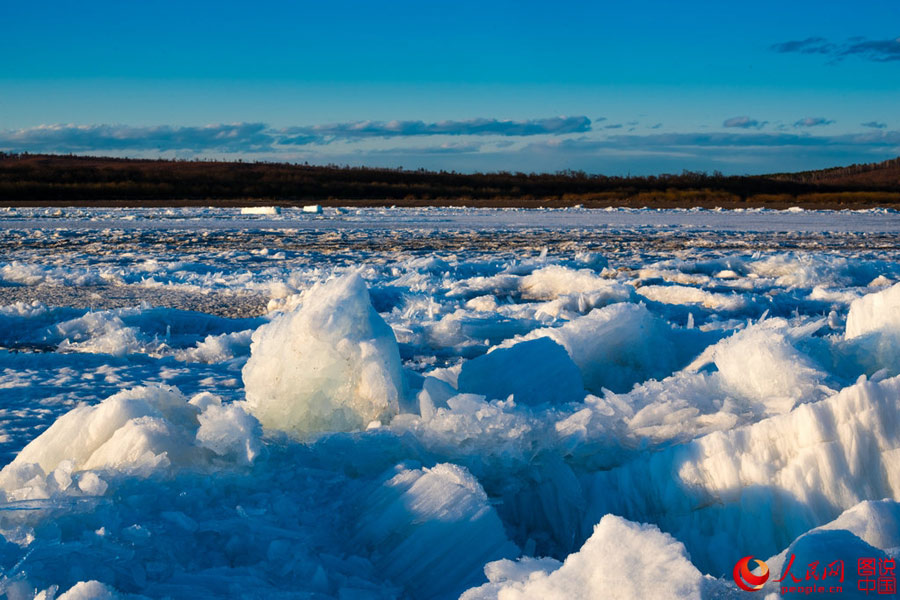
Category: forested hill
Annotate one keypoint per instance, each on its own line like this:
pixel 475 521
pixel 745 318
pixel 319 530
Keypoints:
pixel 56 179
pixel 883 175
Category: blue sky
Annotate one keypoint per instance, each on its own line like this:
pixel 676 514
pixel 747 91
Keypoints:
pixel 638 87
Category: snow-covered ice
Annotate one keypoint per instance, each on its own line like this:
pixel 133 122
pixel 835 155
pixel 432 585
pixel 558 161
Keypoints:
pixel 261 210
pixel 332 364
pixel 658 564
pixel 442 403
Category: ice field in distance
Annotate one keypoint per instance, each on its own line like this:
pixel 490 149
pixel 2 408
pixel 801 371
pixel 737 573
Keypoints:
pixel 444 403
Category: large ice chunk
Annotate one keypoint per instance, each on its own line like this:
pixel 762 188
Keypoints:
pixel 140 422
pixel 617 346
pixel 229 432
pixel 875 522
pixel 553 281
pixel 872 335
pixel 620 560
pixel 820 551
pixel 760 363
pixel 535 372
pixel 866 530
pixel 758 372
pixel 138 431
pixel 100 332
pixel 261 210
pixel 683 294
pixel 89 590
pixel 431 529
pixel 331 365
pixel 758 487
pixel 875 312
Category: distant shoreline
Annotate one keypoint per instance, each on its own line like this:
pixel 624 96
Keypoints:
pixel 799 202
pixel 85 181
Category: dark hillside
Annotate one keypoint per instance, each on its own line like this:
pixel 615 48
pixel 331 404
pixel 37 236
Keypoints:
pixel 882 175
pixel 54 179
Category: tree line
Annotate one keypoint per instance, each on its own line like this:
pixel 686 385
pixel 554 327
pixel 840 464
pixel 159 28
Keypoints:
pixel 37 178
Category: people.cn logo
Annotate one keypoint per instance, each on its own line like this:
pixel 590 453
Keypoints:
pixel 745 579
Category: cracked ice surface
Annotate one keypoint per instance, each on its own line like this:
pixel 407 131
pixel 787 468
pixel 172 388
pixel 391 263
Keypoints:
pixel 428 403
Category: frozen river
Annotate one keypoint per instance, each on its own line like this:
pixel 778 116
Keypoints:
pixel 428 403
pixel 760 220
